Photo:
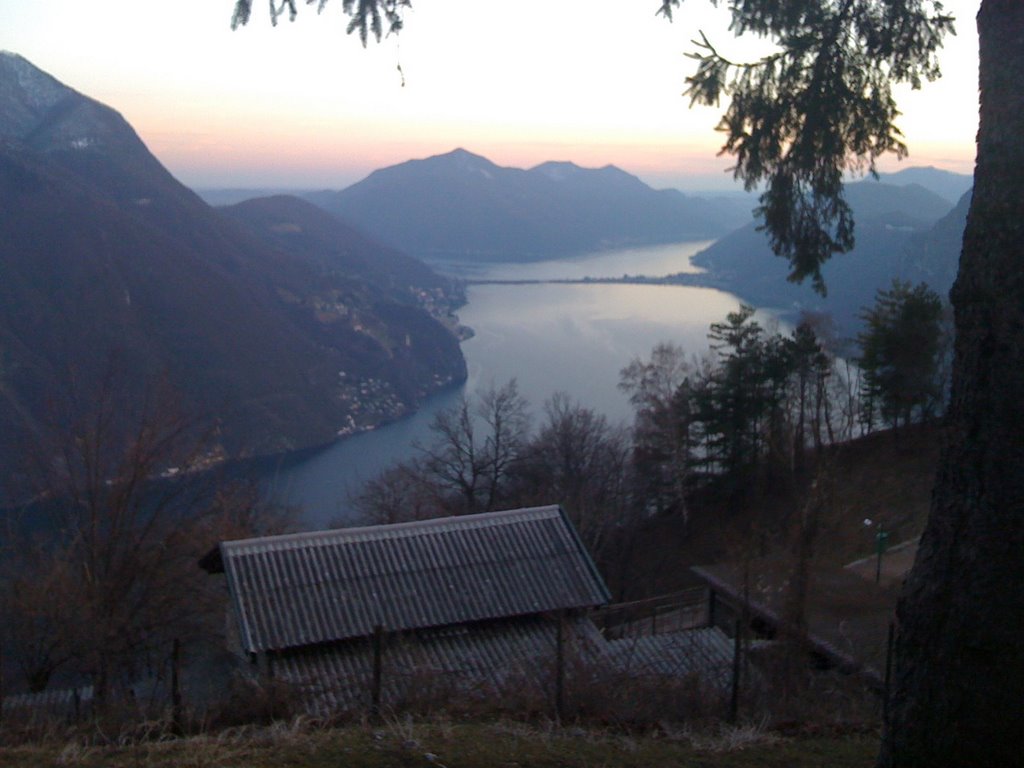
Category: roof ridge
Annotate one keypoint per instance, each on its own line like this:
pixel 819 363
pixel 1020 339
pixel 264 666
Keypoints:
pixel 397 530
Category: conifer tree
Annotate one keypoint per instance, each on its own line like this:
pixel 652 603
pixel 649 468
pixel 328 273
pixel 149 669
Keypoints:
pixel 900 351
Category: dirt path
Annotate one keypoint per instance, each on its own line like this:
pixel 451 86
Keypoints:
pixel 896 563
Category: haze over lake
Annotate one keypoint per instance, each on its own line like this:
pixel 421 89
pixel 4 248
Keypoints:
pixel 550 337
pixel 651 260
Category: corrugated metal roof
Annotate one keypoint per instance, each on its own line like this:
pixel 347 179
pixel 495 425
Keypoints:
pixel 308 588
pixel 66 703
pixel 481 660
pixel 498 658
pixel 706 653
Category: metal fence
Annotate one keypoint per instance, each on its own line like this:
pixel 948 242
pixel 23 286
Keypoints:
pixel 686 609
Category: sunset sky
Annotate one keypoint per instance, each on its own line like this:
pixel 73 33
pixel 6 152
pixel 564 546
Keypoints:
pixel 303 105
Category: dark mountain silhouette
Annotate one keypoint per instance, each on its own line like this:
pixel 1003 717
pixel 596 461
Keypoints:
pixel 221 196
pixel 946 184
pixel 934 256
pixel 103 253
pixel 462 207
pixel 901 231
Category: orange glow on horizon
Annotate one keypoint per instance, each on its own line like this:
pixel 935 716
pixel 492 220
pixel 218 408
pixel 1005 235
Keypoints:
pixel 303 105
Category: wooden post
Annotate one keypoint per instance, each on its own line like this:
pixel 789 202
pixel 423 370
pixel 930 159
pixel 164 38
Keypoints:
pixel 734 697
pixel 560 667
pixel 378 650
pixel 177 720
pixel 889 643
pixel 712 607
pixel 881 542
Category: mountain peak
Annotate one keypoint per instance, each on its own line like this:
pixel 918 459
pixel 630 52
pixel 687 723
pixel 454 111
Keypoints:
pixel 26 91
pixel 560 171
pixel 465 159
pixel 461 153
pixel 47 116
pixel 458 156
pixel 460 161
pixel 557 170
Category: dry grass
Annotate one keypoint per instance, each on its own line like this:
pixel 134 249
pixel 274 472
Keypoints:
pixel 442 743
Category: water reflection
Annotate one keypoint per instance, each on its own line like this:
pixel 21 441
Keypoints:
pixel 576 338
pixel 652 261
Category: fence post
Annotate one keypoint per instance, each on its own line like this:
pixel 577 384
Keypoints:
pixel 734 697
pixel 560 667
pixel 177 724
pixel 378 643
pixel 890 641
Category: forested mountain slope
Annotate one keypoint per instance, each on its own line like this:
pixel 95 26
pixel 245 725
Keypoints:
pixel 105 256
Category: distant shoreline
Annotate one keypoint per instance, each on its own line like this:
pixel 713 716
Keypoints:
pixel 687 279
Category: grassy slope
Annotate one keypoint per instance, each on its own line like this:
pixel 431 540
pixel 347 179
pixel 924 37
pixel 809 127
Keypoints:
pixel 886 477
pixel 462 746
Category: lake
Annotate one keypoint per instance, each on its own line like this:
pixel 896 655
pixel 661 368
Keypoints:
pixel 572 338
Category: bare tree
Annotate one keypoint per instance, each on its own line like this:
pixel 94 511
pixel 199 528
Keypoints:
pixel 400 493
pixel 101 573
pixel 580 461
pixel 37 602
pixel 475 449
pixel 503 411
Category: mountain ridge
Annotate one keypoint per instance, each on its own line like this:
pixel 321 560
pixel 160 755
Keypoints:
pixel 906 232
pixel 461 207
pixel 947 184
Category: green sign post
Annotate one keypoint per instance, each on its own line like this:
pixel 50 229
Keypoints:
pixel 881 544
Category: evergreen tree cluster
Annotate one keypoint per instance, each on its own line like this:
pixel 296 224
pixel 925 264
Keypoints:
pixel 902 350
pixel 745 415
pixel 742 415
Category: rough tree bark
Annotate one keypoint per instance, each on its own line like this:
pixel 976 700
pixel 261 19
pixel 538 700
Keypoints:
pixel 959 681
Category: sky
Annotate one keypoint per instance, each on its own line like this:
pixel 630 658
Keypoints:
pixel 303 105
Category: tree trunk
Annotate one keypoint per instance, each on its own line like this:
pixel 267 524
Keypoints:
pixel 959 679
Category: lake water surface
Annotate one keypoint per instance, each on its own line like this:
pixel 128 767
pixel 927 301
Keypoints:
pixel 572 338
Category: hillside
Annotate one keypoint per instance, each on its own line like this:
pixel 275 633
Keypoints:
pixel 905 232
pixel 886 477
pixel 934 255
pixel 946 184
pixel 105 255
pixel 304 230
pixel 461 207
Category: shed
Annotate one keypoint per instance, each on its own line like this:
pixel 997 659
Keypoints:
pixel 470 597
